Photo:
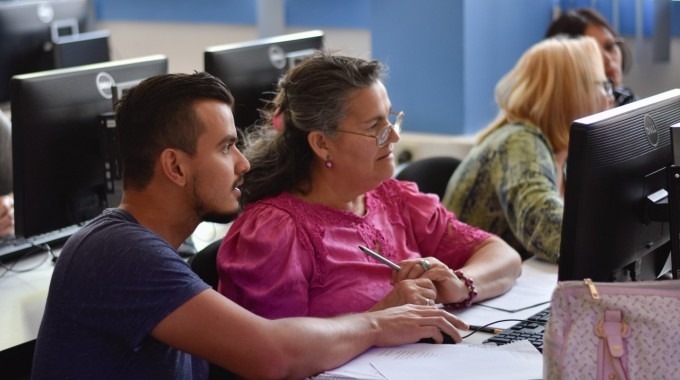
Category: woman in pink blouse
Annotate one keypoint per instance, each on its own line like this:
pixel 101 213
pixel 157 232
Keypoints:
pixel 321 184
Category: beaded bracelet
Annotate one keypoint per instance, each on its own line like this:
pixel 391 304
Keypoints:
pixel 471 289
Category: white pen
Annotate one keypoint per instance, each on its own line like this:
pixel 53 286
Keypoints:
pixel 379 258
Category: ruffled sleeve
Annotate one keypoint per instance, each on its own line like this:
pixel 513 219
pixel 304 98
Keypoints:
pixel 264 264
pixel 436 231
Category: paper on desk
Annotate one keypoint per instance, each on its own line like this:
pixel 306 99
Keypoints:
pixel 518 360
pixel 529 295
pixel 533 288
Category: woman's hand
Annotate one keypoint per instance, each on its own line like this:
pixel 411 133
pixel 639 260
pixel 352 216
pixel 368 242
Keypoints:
pixel 449 287
pixel 419 291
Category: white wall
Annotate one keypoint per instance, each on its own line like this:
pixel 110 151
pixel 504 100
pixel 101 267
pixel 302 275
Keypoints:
pixel 184 43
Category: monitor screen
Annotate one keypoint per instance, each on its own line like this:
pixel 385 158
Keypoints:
pixel 252 69
pixel 28 29
pixel 58 158
pixel 615 185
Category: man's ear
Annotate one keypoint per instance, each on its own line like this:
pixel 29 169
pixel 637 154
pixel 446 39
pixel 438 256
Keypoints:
pixel 171 162
pixel 320 145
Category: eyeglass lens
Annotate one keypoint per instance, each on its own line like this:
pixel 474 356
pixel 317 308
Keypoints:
pixel 395 124
pixel 608 88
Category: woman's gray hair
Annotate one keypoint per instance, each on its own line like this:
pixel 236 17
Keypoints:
pixel 312 96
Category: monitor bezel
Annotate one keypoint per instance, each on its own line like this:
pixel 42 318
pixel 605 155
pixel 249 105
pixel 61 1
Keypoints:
pixel 613 165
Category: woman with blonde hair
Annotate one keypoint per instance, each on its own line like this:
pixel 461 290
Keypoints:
pixel 511 182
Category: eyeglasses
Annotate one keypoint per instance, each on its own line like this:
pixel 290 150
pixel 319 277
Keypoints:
pixel 607 87
pixel 384 133
pixel 611 46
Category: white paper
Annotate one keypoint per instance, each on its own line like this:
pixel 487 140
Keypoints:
pixel 528 296
pixel 517 360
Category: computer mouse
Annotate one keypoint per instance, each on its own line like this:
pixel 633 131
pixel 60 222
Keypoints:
pixel 447 340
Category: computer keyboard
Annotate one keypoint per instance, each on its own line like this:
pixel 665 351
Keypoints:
pixel 532 330
pixel 17 246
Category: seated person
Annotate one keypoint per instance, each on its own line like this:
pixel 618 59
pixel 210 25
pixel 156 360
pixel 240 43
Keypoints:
pixel 321 184
pixel 615 54
pixel 6 198
pixel 511 182
pixel 123 304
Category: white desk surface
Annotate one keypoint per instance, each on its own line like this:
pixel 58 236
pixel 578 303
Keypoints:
pixel 22 300
pixel 23 297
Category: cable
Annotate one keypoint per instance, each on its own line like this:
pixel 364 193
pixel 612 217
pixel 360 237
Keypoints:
pixel 499 321
pixel 10 267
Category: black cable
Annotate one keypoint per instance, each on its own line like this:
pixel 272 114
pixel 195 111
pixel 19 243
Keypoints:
pixel 10 267
pixel 473 331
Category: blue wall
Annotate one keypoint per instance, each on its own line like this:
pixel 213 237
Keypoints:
pixel 301 13
pixel 198 11
pixel 496 35
pixel 350 13
pixel 446 57
pixel 424 54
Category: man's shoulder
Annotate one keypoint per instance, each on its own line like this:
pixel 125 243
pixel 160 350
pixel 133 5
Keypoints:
pixel 112 233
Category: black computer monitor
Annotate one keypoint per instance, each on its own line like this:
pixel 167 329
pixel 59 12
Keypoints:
pixel 81 49
pixel 58 158
pixel 29 28
pixel 615 225
pixel 252 69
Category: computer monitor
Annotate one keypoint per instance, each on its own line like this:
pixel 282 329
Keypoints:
pixel 615 225
pixel 58 158
pixel 252 69
pixel 81 49
pixel 28 30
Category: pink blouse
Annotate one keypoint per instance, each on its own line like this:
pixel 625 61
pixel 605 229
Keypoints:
pixel 284 257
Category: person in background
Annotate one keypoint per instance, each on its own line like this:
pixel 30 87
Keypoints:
pixel 511 182
pixel 123 304
pixel 321 185
pixel 616 55
pixel 6 197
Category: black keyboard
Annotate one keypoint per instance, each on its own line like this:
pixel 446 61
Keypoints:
pixel 17 246
pixel 532 330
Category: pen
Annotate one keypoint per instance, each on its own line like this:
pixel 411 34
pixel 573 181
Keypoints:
pixel 379 258
pixel 485 329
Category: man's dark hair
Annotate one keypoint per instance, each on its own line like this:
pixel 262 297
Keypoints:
pixel 158 114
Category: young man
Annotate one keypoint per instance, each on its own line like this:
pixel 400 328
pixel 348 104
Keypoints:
pixel 123 304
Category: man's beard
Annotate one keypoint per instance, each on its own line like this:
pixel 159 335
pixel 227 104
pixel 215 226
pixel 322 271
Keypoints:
pixel 212 216
pixel 221 218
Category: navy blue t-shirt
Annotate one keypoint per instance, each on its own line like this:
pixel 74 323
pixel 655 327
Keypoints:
pixel 114 281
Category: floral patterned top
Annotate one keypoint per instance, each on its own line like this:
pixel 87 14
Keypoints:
pixel 507 185
pixel 285 257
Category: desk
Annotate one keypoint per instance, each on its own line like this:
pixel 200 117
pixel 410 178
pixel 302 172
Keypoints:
pixel 535 285
pixel 467 360
pixel 23 297
pixel 22 300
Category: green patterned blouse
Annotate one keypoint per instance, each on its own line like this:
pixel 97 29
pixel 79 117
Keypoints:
pixel 507 185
